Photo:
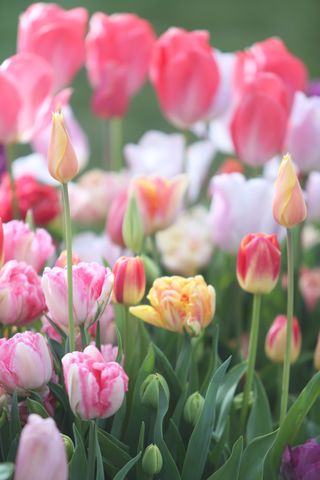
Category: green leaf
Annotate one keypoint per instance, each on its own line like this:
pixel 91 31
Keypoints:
pixel 122 474
pixel 140 448
pixel 112 449
pixel 213 358
pixel 60 393
pixel 184 359
pixel 164 367
pixel 230 469
pixel 199 443
pixel 100 469
pixel 260 420
pixel 6 470
pixel 118 420
pixel 254 456
pixel 15 424
pixel 36 407
pixel 78 464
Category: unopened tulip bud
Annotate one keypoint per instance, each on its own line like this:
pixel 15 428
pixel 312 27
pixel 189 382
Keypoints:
pixel 152 460
pixel 258 263
pixel 289 207
pixel 129 280
pixel 132 228
pixel 316 355
pixel 62 259
pixel 193 408
pixel 62 161
pixel 275 345
pixel 69 447
pixel 149 390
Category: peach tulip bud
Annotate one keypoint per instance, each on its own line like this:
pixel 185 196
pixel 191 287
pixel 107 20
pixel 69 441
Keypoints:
pixel 258 263
pixel 62 259
pixel 316 355
pixel 129 280
pixel 275 344
pixel 288 207
pixel 178 304
pixel 41 451
pixel 62 161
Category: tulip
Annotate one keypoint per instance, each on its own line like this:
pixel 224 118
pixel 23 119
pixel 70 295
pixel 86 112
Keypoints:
pixel 185 75
pixel 230 165
pixel 25 362
pixel 41 451
pixel 102 249
pixel 152 460
pixel 118 54
pixel 258 263
pixel 159 200
pixel 21 296
pixel 309 284
pixel 313 196
pixel 178 304
pixel 62 259
pixel 115 218
pixel 57 35
pixel 288 207
pixel 25 245
pixel 92 287
pixel 95 388
pixel 42 200
pixel 316 355
pixel 275 344
pixel 1 244
pixel 301 462
pixel 129 280
pixel 259 121
pixel 62 160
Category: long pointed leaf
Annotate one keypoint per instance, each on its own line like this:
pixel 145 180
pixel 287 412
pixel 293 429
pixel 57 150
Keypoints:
pixel 231 468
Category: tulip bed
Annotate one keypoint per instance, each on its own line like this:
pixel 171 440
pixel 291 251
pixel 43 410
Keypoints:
pixel 150 310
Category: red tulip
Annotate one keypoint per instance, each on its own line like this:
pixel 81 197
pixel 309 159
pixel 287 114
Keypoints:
pixel 129 280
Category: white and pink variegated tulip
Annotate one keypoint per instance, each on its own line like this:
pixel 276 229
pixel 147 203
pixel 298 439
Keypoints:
pixel 21 296
pixel 41 451
pixel 25 362
pixel 95 388
pixel 92 287
pixel 23 244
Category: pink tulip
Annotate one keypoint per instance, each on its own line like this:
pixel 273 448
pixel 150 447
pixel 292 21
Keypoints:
pixel 92 287
pixel 23 244
pixel 271 56
pixel 275 343
pixel 115 218
pixel 185 75
pixel 118 53
pixel 25 362
pixel 309 285
pixel 313 196
pixel 259 121
pixel 21 296
pixel 57 35
pixel 41 451
pixel 95 387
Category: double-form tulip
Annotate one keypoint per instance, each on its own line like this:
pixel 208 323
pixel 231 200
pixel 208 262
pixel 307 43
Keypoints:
pixel 119 48
pixel 25 362
pixel 62 160
pixel 178 304
pixel 275 344
pixel 258 263
pixel 92 288
pixel 41 451
pixel 23 244
pixel 185 75
pixel 57 35
pixel 95 388
pixel 21 296
pixel 129 280
pixel 288 206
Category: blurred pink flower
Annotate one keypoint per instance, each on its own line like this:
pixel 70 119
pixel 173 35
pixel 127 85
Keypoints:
pixel 107 326
pixel 309 285
pixel 96 388
pixel 101 248
pixel 116 217
pixel 118 53
pixel 275 343
pixel 313 196
pixel 57 35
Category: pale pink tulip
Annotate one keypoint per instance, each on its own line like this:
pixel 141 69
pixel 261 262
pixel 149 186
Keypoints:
pixel 41 451
pixel 95 388
pixel 92 287
pixel 309 285
pixel 118 53
pixel 185 75
pixel 101 248
pixel 25 362
pixel 275 343
pixel 23 244
pixel 57 35
pixel 115 218
pixel 21 297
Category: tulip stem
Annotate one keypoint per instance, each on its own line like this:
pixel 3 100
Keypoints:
pixel 14 198
pixel 290 300
pixel 68 240
pixel 116 144
pixel 253 342
pixel 91 451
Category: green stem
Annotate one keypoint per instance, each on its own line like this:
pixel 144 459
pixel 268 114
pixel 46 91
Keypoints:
pixel 116 144
pixel 14 198
pixel 68 239
pixel 84 337
pixel 126 335
pixel 253 342
pixel 91 451
pixel 290 300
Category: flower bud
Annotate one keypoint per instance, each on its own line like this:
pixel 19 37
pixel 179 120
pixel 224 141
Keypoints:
pixel 288 207
pixel 258 263
pixel 275 344
pixel 149 390
pixel 69 446
pixel 62 161
pixel 316 355
pixel 62 259
pixel 193 408
pixel 152 460
pixel 129 280
pixel 132 228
